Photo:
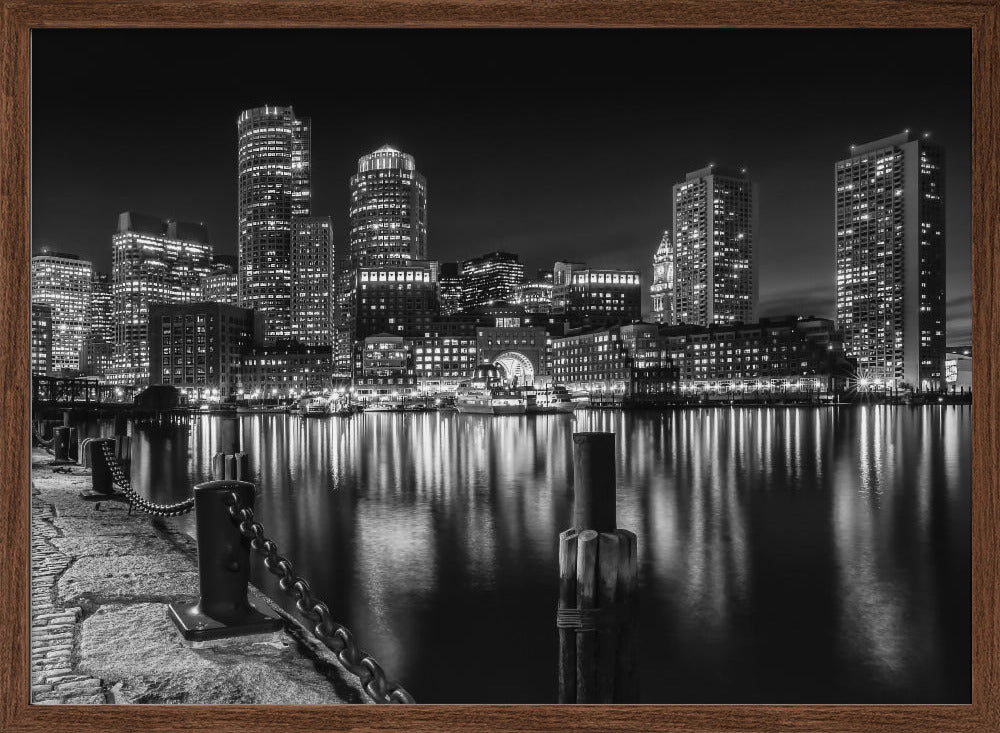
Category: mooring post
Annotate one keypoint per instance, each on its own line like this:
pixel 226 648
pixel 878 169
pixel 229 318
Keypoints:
pixel 100 472
pixel 223 609
pixel 229 463
pixel 597 584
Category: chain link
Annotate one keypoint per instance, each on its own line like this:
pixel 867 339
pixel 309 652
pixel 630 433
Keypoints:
pixel 120 479
pixel 336 637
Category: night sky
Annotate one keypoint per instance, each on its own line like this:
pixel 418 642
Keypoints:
pixel 554 144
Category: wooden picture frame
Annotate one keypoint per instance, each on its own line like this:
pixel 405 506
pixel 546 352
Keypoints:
pixel 19 17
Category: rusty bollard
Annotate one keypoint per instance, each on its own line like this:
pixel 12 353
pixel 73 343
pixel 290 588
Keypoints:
pixel 223 609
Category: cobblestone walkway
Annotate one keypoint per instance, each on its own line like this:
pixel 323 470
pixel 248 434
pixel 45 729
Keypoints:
pixel 54 628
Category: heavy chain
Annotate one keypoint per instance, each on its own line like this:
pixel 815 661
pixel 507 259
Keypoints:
pixel 335 637
pixel 120 479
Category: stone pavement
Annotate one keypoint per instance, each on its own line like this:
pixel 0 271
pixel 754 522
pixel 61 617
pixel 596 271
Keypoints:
pixel 100 583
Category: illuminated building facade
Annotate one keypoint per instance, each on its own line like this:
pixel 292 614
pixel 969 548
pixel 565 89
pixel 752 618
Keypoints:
pixel 596 295
pixel 662 289
pixel 623 361
pixel 490 277
pixel 153 261
pixel 313 292
pixel 274 164
pixel 384 368
pixel 41 339
pixel 441 363
pixel 400 298
pixel 388 209
pixel 221 285
pixel 450 288
pixel 388 225
pixel 714 263
pixel 774 355
pixel 534 296
pixel 286 370
pixel 200 347
pixel 63 282
pixel 890 249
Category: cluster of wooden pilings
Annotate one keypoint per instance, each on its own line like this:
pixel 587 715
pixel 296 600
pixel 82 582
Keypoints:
pixel 598 585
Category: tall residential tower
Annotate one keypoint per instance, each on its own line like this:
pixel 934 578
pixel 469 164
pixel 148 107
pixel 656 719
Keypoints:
pixel 715 266
pixel 890 248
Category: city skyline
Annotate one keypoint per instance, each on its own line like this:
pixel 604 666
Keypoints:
pixel 578 119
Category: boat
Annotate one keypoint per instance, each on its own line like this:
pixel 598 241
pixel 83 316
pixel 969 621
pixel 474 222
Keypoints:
pixel 487 394
pixel 388 406
pixel 554 399
pixel 314 407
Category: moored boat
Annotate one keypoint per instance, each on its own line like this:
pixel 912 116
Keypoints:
pixel 487 394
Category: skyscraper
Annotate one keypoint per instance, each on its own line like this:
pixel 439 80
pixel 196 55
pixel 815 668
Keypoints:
pixel 890 248
pixel 715 266
pixel 62 282
pixel 313 291
pixel 388 224
pixel 388 209
pixel 274 184
pixel 490 277
pixel 662 289
pixel 98 347
pixel 153 261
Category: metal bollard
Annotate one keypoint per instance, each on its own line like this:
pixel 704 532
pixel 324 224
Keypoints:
pixel 223 610
pixel 62 444
pixel 100 476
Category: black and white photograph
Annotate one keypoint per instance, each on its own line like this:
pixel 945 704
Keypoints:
pixel 501 366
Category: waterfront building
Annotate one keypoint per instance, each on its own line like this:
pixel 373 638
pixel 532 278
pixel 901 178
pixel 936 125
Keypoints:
pixel 442 362
pixel 597 296
pixel 490 277
pixel 388 225
pixel 399 298
pixel 154 261
pixel 958 372
pixel 714 236
pixel 384 368
pixel 221 284
pixel 534 296
pixel 615 362
pixel 450 288
pixel 286 369
pixel 41 339
pixel 516 348
pixel 274 172
pixel 200 347
pixel 63 282
pixel 890 250
pixel 313 292
pixel 662 289
pixel 773 355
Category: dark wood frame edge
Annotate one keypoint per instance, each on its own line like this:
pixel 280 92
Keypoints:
pixel 18 17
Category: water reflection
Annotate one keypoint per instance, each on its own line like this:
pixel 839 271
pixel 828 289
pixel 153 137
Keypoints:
pixel 786 555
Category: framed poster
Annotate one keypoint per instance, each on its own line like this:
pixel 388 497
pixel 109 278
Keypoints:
pixel 709 230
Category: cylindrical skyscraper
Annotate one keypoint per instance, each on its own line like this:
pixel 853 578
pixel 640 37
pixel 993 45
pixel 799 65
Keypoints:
pixel 388 209
pixel 274 170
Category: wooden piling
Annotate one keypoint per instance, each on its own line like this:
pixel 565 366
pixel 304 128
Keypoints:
pixel 229 435
pixel 231 467
pixel 586 600
pixel 598 585
pixel 567 600
pixel 607 633
pixel 594 481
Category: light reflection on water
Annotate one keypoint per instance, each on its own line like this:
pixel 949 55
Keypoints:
pixel 786 555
